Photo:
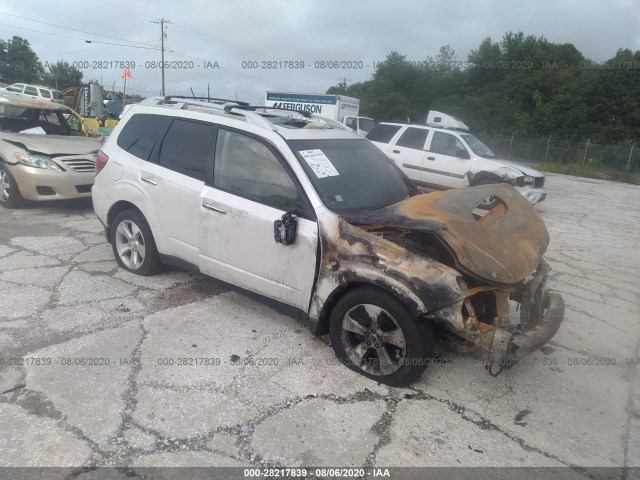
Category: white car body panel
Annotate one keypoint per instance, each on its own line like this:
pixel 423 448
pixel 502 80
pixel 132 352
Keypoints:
pixel 237 247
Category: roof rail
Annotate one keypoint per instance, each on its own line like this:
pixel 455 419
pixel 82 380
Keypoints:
pixel 246 106
pixel 251 117
pixel 207 99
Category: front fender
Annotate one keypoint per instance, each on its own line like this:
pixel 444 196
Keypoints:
pixel 352 255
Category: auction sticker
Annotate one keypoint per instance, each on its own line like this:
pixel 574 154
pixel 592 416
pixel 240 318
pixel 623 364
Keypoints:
pixel 319 163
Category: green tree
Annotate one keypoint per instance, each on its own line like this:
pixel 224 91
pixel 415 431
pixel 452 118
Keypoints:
pixel 18 62
pixel 61 75
pixel 524 85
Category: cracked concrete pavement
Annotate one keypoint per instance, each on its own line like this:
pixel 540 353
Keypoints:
pixel 104 368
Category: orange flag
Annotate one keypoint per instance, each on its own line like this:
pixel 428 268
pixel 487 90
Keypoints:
pixel 126 73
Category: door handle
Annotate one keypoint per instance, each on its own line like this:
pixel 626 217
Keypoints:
pixel 396 151
pixel 431 158
pixel 148 179
pixel 208 206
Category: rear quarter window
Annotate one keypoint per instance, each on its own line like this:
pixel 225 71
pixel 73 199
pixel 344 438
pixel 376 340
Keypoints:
pixel 140 134
pixel 383 133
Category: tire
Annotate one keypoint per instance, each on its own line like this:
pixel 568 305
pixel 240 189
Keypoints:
pixel 133 244
pixel 9 193
pixel 366 314
pixel 493 201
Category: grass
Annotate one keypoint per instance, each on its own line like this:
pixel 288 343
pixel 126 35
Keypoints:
pixel 592 171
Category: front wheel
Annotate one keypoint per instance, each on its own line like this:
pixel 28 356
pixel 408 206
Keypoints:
pixel 373 334
pixel 133 244
pixel 9 194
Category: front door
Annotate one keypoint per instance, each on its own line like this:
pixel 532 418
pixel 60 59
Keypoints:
pixel 251 189
pixel 447 161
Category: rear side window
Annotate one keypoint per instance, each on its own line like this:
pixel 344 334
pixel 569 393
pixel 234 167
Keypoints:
pixel 413 138
pixel 15 88
pixel 383 133
pixel 30 91
pixel 140 134
pixel 187 148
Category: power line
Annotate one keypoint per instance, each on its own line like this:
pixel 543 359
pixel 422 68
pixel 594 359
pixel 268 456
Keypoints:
pixel 76 38
pixel 72 29
pixel 58 14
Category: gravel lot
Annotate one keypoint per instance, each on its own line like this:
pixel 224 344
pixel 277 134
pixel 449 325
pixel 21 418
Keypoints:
pixel 63 300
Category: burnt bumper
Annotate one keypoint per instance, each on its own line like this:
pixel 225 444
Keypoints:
pixel 522 344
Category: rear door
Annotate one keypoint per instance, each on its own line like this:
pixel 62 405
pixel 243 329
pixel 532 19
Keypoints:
pixel 173 181
pixel 447 161
pixel 408 152
pixel 31 92
pixel 253 187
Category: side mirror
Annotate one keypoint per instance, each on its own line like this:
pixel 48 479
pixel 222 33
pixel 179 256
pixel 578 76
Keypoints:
pixel 284 229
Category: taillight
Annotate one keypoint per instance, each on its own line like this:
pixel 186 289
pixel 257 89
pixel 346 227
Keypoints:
pixel 101 161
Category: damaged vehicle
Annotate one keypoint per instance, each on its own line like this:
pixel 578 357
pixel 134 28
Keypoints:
pixel 443 154
pixel 316 221
pixel 44 154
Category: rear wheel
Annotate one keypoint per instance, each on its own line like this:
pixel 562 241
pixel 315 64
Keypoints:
pixel 373 334
pixel 133 244
pixel 9 194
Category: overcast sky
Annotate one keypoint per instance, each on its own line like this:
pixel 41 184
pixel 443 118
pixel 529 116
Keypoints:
pixel 241 34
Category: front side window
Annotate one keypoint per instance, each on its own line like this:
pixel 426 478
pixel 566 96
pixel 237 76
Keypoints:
pixel 45 93
pixel 413 138
pixel 246 167
pixel 140 134
pixel 446 144
pixel 187 148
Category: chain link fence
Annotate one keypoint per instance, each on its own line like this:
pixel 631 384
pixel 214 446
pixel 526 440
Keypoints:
pixel 547 150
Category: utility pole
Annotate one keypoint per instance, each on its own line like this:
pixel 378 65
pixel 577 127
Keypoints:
pixel 163 35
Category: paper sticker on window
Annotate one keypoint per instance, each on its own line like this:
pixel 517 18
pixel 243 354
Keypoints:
pixel 319 163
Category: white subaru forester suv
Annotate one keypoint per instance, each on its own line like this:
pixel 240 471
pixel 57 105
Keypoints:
pixel 317 221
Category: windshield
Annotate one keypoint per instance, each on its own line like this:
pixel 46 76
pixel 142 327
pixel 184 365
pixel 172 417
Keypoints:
pixel 366 124
pixel 477 146
pixel 34 120
pixel 351 175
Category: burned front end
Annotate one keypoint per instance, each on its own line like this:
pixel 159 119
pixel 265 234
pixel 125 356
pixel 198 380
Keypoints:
pixel 498 253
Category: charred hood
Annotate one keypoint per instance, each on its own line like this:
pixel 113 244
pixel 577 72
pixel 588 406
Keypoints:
pixel 503 245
